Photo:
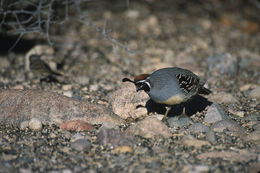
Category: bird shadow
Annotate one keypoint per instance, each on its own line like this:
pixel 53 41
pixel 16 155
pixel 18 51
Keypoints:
pixel 196 104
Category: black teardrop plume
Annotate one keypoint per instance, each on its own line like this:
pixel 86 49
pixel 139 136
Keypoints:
pixel 127 80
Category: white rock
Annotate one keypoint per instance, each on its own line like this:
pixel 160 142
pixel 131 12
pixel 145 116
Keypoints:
pixel 35 124
pixel 24 125
pixel 68 93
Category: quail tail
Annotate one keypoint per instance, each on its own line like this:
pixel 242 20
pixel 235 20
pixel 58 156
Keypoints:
pixel 204 91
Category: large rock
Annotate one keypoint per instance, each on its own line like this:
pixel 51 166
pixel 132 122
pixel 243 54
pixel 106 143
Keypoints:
pixel 20 105
pixel 127 103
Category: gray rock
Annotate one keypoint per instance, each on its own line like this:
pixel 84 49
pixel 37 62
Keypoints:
pixel 198 127
pixel 255 93
pixel 211 136
pixel 256 127
pixel 196 168
pixel 81 145
pixel 222 63
pixel 176 122
pixel 255 167
pixel 215 113
pixel 114 137
pixel 254 136
pixel 254 117
pixel 23 170
pixel 227 155
pixel 24 125
pixel 230 125
pixel 66 171
pixel 245 63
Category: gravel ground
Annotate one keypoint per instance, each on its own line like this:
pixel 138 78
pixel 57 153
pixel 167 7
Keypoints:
pixel 217 40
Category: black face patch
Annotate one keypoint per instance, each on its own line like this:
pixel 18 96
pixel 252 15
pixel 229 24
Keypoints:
pixel 187 82
pixel 142 85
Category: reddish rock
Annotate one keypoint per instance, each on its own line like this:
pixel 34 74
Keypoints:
pixel 20 105
pixel 77 125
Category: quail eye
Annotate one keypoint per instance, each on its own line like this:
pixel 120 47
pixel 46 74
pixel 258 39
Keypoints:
pixel 142 86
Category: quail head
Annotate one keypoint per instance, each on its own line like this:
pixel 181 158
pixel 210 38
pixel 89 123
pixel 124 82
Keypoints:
pixel 170 86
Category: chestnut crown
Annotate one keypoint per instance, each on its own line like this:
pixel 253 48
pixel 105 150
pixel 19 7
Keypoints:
pixel 141 82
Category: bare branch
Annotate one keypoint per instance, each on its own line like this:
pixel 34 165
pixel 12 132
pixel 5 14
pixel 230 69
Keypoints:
pixel 23 17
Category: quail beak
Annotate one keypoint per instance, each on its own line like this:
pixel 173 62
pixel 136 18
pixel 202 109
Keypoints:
pixel 139 88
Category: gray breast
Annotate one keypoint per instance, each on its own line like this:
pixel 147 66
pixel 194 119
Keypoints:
pixel 164 85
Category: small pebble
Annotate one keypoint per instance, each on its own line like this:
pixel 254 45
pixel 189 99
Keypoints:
pixel 253 136
pixel 52 135
pixel 255 93
pixel 176 122
pixel 132 14
pixel 18 87
pixel 230 125
pixel 149 127
pixel 256 127
pixel 93 87
pixel 198 127
pixel 114 137
pixel 67 87
pixel 245 87
pixel 68 93
pixel 66 171
pixel 24 125
pixel 76 125
pixel 211 136
pixel 35 124
pixel 78 136
pixel 24 170
pixel 123 149
pixel 195 143
pixel 253 117
pixel 81 145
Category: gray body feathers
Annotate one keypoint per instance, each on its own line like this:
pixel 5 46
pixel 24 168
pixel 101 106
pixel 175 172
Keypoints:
pixel 174 82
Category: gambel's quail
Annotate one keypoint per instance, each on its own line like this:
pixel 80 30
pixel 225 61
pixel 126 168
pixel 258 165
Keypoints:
pixel 170 86
pixel 41 69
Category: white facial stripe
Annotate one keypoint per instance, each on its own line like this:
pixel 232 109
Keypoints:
pixel 140 81
pixel 144 81
pixel 148 84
